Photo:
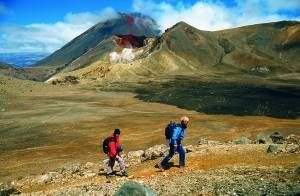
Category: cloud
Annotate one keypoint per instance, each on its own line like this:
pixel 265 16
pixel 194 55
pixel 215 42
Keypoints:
pixel 215 15
pixel 260 11
pixel 283 5
pixel 49 37
pixel 205 15
pixel 93 18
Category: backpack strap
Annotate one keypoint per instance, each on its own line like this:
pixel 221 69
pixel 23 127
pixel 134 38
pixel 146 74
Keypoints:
pixel 182 130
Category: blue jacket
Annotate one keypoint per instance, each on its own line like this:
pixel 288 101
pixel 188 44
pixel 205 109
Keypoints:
pixel 178 135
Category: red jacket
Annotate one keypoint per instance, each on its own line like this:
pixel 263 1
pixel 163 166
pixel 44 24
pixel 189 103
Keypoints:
pixel 113 145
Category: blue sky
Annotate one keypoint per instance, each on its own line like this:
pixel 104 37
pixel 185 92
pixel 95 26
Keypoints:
pixel 47 25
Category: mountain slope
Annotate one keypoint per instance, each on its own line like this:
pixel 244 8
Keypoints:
pixel 252 70
pixel 271 47
pixel 266 50
pixel 10 70
pixel 93 42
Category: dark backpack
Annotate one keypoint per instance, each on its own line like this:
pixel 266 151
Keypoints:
pixel 170 129
pixel 105 145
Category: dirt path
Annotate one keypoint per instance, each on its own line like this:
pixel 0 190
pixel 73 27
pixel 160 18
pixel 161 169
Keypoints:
pixel 45 127
pixel 210 169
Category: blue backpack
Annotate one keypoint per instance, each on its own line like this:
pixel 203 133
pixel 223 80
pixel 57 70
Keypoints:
pixel 170 129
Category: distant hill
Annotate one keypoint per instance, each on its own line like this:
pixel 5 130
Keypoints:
pixel 263 50
pixel 104 52
pixel 94 43
pixel 22 59
pixel 251 70
pixel 10 70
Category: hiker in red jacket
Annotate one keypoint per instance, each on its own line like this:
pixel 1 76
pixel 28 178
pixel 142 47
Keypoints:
pixel 114 153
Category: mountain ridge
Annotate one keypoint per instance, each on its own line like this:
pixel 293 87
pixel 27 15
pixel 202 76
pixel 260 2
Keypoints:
pixel 183 49
pixel 265 49
pixel 91 38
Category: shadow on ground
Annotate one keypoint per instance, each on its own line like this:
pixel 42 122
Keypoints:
pixel 225 98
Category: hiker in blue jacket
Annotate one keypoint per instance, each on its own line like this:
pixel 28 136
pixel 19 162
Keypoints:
pixel 175 144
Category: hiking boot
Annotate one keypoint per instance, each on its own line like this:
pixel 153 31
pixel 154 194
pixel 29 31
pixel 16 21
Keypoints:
pixel 124 173
pixel 110 175
pixel 160 166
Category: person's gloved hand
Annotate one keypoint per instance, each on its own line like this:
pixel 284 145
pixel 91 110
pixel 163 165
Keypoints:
pixel 178 142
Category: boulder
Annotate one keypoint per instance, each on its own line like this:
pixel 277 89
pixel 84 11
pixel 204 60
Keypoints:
pixel 46 178
pixel 135 154
pixel 261 140
pixel 89 165
pixel 242 140
pixel 277 138
pixel 293 139
pixel 292 148
pixel 156 151
pixel 72 168
pixel 272 148
pixel 134 189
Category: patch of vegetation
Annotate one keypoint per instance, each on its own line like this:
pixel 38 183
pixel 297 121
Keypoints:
pixel 225 98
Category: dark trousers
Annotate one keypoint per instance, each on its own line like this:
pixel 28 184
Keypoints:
pixel 111 164
pixel 172 151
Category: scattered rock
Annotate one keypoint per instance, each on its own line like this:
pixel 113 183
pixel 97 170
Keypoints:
pixel 237 180
pixel 156 151
pixel 293 139
pixel 242 140
pixel 72 168
pixel 202 141
pixel 297 170
pixel 262 140
pixel 89 165
pixel 189 149
pixel 135 154
pixel 277 138
pixel 88 174
pixel 272 149
pixel 260 69
pixel 134 189
pixel 292 148
pixel 213 142
pixel 55 174
pixel 10 191
pixel 46 178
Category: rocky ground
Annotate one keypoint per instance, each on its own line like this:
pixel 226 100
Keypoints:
pixel 62 157
pixel 240 167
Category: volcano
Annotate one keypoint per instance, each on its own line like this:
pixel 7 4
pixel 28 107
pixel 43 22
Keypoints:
pixel 95 43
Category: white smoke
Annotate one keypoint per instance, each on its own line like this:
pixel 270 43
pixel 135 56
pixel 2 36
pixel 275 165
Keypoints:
pixel 145 22
pixel 114 57
pixel 126 56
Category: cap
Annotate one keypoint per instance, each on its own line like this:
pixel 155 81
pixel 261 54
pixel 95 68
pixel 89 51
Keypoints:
pixel 117 132
pixel 184 119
